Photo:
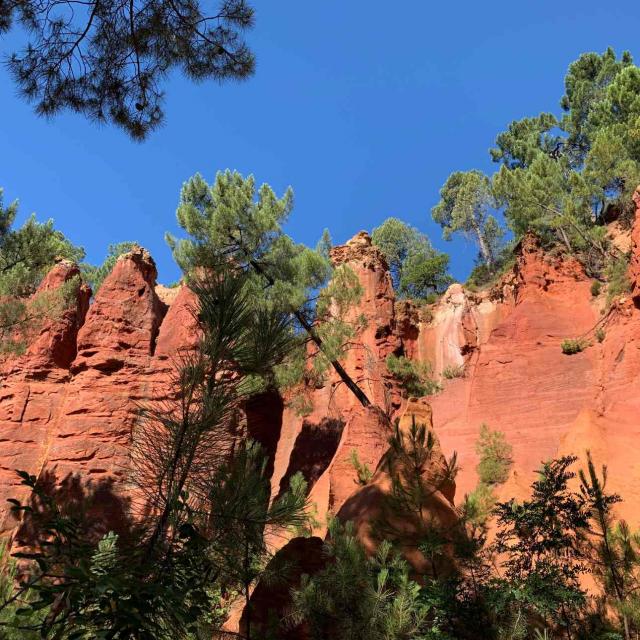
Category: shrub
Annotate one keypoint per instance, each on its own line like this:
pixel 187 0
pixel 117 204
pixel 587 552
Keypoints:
pixel 453 371
pixel 600 334
pixel 13 622
pixel 414 377
pixel 362 470
pixel 616 273
pixel 596 286
pixel 571 346
pixel 495 456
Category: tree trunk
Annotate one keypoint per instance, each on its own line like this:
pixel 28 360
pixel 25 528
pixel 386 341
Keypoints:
pixel 484 247
pixel 306 325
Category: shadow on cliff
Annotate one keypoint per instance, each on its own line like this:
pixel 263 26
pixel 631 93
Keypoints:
pixel 271 599
pixel 94 504
pixel 313 451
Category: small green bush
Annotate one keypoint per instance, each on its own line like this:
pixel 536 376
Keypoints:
pixel 571 346
pixel 363 471
pixel 453 371
pixel 495 456
pixel 619 283
pixel 414 377
pixel 13 622
pixel 596 286
pixel 600 334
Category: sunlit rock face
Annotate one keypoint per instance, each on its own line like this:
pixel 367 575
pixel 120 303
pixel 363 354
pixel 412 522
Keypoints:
pixel 69 407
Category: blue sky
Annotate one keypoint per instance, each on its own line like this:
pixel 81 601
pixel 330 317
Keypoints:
pixel 363 107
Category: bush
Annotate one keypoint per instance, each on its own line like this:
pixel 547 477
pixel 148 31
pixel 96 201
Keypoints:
pixel 414 377
pixel 363 471
pixel 616 273
pixel 596 286
pixel 14 625
pixel 495 456
pixel 600 334
pixel 571 346
pixel 453 371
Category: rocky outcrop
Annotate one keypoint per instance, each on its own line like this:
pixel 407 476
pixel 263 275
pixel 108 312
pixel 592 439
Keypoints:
pixel 368 506
pixel 320 445
pixel 68 408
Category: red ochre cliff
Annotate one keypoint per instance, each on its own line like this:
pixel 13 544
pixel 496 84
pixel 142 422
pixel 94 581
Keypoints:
pixel 70 405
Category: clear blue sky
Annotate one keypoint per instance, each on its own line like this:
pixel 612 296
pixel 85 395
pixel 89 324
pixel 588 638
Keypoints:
pixel 364 107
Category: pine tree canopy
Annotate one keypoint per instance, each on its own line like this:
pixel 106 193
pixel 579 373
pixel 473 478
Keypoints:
pixel 561 176
pixel 232 223
pixel 417 269
pixel 27 253
pixel 108 60
pixel 232 220
pixel 465 200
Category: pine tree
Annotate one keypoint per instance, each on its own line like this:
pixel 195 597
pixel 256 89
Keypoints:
pixel 618 562
pixel 417 269
pixel 26 255
pixel 356 597
pixel 418 472
pixel 108 60
pixel 230 222
pixel 465 200
pixel 540 540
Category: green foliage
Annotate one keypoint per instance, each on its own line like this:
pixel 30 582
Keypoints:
pixel 417 471
pixel 617 549
pixel 540 540
pixel 452 371
pixel 325 244
pixel 414 377
pixel 26 255
pixel 363 471
pixel 618 278
pixel 561 185
pixel 494 464
pixel 385 604
pixel 586 85
pixel 524 140
pixel 596 287
pixel 15 622
pixel 571 346
pixel 482 276
pixel 600 334
pixel 495 456
pixel 231 219
pixel 108 61
pixel 232 223
pixel 561 177
pixel 417 269
pixel 465 200
pixel 95 275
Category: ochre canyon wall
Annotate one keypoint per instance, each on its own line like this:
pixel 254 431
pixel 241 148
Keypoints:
pixel 69 406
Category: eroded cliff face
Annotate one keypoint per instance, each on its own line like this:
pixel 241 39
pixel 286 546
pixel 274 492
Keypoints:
pixel 69 406
pixel 518 380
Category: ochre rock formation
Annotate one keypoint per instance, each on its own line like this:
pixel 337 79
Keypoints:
pixel 70 405
pixel 518 380
pixel 368 506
